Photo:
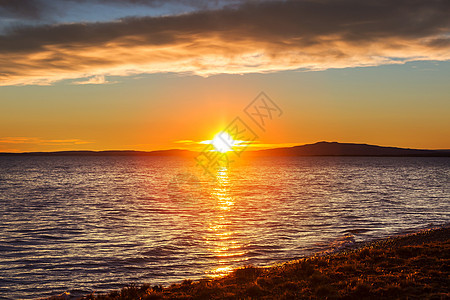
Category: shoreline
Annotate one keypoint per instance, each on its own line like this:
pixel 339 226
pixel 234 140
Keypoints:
pixel 414 265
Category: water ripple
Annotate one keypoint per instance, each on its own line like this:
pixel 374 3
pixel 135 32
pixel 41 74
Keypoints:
pixel 81 224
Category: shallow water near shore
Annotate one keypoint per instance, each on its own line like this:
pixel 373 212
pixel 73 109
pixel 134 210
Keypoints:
pixel 80 224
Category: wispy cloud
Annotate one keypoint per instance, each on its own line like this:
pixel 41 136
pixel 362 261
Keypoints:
pixel 186 142
pixel 47 10
pixel 97 79
pixel 255 145
pixel 41 142
pixel 260 36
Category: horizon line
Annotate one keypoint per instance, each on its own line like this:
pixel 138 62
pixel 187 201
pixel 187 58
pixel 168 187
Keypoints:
pixel 198 151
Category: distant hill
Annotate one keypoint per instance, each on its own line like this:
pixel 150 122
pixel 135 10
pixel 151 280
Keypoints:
pixel 317 149
pixel 171 152
pixel 347 149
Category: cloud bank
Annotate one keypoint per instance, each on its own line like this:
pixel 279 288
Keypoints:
pixel 254 37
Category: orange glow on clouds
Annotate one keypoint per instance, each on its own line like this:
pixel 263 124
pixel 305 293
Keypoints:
pixel 226 57
pixel 308 35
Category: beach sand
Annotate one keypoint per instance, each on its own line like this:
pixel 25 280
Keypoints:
pixel 413 266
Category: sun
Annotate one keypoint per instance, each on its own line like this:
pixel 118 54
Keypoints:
pixel 223 142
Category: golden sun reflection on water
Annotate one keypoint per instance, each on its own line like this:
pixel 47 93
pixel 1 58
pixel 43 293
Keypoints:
pixel 220 236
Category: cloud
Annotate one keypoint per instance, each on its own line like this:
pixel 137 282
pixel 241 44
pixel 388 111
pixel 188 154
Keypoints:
pixel 97 79
pixel 30 9
pixel 41 142
pixel 255 145
pixel 47 10
pixel 187 142
pixel 255 37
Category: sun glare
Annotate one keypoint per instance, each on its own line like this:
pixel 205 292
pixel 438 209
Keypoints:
pixel 223 142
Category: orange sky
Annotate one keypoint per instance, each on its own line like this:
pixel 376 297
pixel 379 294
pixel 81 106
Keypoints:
pixel 404 106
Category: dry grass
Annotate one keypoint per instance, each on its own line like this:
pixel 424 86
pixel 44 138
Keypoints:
pixel 409 267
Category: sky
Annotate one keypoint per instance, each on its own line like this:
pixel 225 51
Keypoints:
pixel 152 75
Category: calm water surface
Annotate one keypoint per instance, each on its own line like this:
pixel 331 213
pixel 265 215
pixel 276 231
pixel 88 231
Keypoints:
pixel 83 224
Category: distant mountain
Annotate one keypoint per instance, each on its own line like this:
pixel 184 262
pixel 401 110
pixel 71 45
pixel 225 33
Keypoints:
pixel 347 149
pixel 317 149
pixel 171 152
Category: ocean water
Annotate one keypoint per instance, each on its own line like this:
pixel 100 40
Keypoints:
pixel 81 224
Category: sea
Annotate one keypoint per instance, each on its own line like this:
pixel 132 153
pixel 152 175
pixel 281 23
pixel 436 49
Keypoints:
pixel 82 224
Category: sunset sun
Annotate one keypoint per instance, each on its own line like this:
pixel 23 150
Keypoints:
pixel 223 142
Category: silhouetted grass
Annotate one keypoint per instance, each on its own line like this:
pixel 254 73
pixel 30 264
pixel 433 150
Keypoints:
pixel 414 266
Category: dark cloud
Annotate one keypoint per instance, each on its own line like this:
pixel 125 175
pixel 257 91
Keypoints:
pixel 257 36
pixel 44 9
pixel 31 9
